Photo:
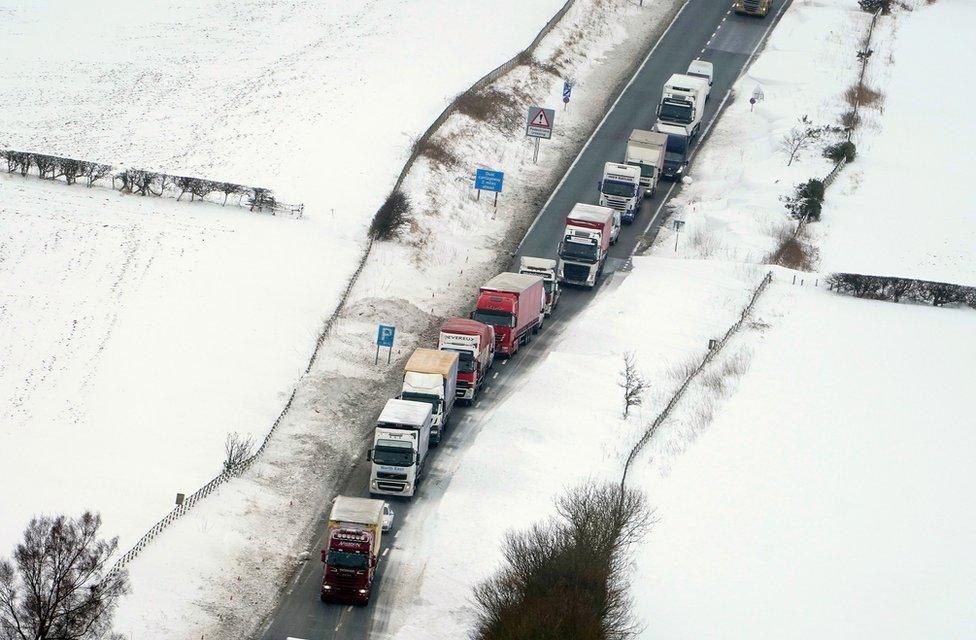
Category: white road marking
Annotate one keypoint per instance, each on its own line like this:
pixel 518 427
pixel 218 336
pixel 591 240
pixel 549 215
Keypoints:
pixel 703 51
pixel 386 551
pixel 494 375
pixel 349 608
pixel 504 362
pixel 479 401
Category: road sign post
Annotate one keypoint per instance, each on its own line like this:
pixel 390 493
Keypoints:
pixel 539 126
pixel 384 338
pixel 676 225
pixel 567 90
pixel 488 180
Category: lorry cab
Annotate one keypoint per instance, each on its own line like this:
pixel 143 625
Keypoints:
pixel 355 531
pixel 682 105
pixel 621 190
pixel 675 156
pixel 545 269
pixel 400 444
pixel 514 304
pixel 753 7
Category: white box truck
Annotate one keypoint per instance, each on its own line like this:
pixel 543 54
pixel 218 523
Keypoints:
pixel 702 69
pixel 645 150
pixel 431 376
pixel 682 105
pixel 621 189
pixel 400 444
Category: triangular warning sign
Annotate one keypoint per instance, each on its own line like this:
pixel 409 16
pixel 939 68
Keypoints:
pixel 540 120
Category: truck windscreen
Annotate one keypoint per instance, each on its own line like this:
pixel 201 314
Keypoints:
pixel 466 361
pixel 347 560
pixel 393 453
pixel 494 318
pixel 432 400
pixel 622 189
pixel 676 112
pixel 579 251
pixel 647 170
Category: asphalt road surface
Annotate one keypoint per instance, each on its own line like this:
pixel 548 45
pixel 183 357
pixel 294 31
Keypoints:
pixel 705 29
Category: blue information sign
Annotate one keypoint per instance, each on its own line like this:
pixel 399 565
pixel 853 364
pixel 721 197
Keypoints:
pixel 567 89
pixel 384 336
pixel 485 179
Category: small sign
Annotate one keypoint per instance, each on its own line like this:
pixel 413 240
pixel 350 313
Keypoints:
pixel 540 122
pixel 384 336
pixel 567 90
pixel 677 224
pixel 489 180
pixel 179 499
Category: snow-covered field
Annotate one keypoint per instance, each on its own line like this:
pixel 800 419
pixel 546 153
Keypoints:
pixel 135 334
pixel 812 483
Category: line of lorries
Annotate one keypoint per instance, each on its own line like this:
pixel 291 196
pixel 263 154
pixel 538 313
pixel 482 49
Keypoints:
pixel 510 309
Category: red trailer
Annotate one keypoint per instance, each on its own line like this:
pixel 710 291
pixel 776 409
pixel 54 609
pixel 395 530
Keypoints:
pixel 514 304
pixel 475 343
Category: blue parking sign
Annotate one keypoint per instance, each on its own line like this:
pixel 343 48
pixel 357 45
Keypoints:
pixel 384 336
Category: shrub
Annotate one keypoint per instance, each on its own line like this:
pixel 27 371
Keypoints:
pixel 841 151
pixel 793 253
pixel 390 217
pixel 489 105
pixel 873 6
pixel 806 200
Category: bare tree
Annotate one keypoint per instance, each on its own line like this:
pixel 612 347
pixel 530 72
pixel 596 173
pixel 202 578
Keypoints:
pixel 801 136
pixel 45 165
pixel 95 171
pixel 56 587
pixel 68 169
pixel 237 449
pixel 229 189
pixel 201 188
pixel 632 383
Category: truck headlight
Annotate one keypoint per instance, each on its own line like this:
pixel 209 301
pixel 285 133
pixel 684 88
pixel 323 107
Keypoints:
pixel 326 587
pixel 362 591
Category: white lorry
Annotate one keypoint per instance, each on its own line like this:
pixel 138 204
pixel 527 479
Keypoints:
pixel 545 269
pixel 400 444
pixel 621 190
pixel 682 105
pixel 645 150
pixel 431 376
pixel 585 244
pixel 702 69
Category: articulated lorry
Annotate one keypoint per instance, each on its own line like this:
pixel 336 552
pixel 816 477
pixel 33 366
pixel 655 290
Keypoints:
pixel 645 150
pixel 586 240
pixel 400 444
pixel 474 343
pixel 353 550
pixel 514 304
pixel 431 376
pixel 682 105
pixel 545 269
pixel 753 7
pixel 675 156
pixel 621 189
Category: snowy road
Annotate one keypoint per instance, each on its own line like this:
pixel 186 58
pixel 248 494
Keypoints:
pixel 706 29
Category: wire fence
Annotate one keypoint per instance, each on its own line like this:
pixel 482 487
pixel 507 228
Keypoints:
pixel 708 357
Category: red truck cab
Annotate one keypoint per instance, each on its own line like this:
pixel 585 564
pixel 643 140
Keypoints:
pixel 349 567
pixel 514 304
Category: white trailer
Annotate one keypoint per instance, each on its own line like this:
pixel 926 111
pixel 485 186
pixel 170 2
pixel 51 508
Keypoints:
pixel 682 105
pixel 645 150
pixel 702 69
pixel 431 376
pixel 545 269
pixel 400 444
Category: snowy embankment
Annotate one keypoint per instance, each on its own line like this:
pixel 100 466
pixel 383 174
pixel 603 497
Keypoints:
pixel 810 483
pixel 135 333
pixel 222 565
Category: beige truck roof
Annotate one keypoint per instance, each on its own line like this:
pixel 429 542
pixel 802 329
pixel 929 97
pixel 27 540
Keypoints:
pixel 432 361
pixel 359 510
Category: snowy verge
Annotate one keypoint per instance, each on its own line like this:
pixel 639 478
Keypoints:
pixel 260 524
